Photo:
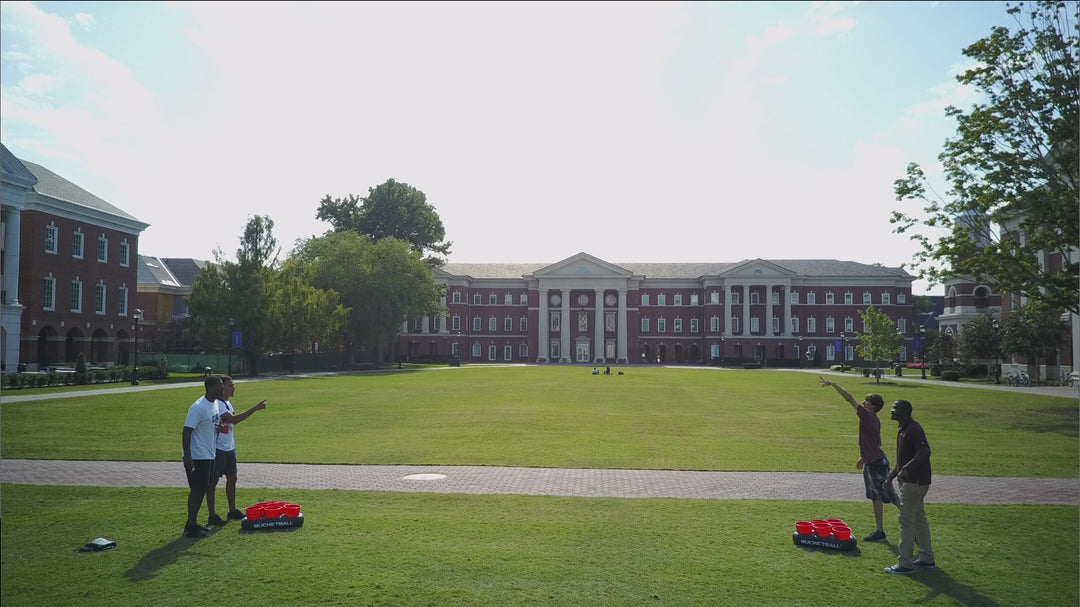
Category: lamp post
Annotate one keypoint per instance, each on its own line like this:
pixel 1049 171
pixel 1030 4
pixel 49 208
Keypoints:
pixel 843 347
pixel 137 315
pixel 722 351
pixel 922 349
pixel 900 335
pixel 799 354
pixel 997 349
pixel 230 345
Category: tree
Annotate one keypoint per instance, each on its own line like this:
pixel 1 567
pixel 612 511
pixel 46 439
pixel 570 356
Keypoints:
pixel 980 339
pixel 275 310
pixel 383 283
pixel 881 342
pixel 392 209
pixel 1012 168
pixel 1034 331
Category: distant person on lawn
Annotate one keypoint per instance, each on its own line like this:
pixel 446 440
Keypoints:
pixel 199 447
pixel 225 462
pixel 872 460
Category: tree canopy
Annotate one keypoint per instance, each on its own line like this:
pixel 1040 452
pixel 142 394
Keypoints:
pixel 1012 168
pixel 392 209
pixel 881 341
pixel 384 283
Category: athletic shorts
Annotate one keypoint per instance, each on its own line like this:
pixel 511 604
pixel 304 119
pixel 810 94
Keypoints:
pixel 224 465
pixel 874 474
pixel 200 477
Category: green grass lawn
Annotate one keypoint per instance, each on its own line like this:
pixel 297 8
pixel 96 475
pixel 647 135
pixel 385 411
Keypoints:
pixel 383 548
pixel 687 419
pixel 378 548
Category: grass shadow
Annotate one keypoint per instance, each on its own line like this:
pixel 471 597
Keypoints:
pixel 1054 420
pixel 939 583
pixel 159 558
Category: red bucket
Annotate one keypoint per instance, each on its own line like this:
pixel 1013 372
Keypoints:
pixel 271 511
pixel 834 521
pixel 842 533
pixel 254 513
pixel 823 530
pixel 804 528
pixel 291 510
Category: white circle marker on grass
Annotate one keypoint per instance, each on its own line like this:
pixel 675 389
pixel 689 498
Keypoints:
pixel 424 477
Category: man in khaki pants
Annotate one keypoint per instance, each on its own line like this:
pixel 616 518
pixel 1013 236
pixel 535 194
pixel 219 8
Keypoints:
pixel 913 472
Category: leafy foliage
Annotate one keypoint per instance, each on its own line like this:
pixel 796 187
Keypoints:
pixel 1034 331
pixel 383 283
pixel 394 210
pixel 1012 168
pixel 881 342
pixel 980 339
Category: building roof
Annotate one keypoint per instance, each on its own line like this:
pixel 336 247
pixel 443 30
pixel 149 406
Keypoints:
pixel 800 267
pixel 54 186
pixel 185 269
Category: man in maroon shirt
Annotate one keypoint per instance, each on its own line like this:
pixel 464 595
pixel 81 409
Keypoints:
pixel 913 473
pixel 872 460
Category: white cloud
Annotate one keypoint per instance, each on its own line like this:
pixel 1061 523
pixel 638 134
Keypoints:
pixel 827 20
pixel 86 21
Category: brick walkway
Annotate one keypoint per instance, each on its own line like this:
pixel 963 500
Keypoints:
pixel 544 481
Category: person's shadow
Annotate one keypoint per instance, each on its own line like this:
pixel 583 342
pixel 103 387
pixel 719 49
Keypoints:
pixel 159 558
pixel 938 583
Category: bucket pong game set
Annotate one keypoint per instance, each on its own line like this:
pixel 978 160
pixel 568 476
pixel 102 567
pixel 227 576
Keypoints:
pixel 824 533
pixel 272 515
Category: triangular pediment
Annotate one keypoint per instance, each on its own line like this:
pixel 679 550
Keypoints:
pixel 583 265
pixel 756 268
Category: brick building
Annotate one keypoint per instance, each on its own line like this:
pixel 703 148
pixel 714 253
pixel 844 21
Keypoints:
pixel 69 271
pixel 586 310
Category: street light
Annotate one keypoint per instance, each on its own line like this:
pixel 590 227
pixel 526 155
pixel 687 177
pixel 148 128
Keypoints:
pixel 922 348
pixel 137 315
pixel 997 350
pixel 843 349
pixel 230 345
pixel 899 372
pixel 721 351
pixel 799 354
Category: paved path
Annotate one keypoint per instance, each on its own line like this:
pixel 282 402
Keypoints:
pixel 544 481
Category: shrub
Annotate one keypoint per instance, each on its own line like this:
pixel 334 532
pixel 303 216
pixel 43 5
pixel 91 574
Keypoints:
pixel 951 376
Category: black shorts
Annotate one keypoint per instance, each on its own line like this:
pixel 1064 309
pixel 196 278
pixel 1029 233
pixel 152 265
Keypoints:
pixel 199 478
pixel 224 465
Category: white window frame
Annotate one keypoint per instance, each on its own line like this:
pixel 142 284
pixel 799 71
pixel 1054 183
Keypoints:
pixel 830 325
pixel 735 324
pixel 775 325
pixel 811 325
pixel 849 325
pixel 811 298
pixel 693 299
pixel 849 299
pixel 676 325
pixel 122 300
pixel 492 299
pixel 103 249
pixel 755 298
pixel 456 297
pixel 661 325
pixel 476 350
pixel 755 325
pixel 508 299
pixel 99 298
pixel 867 298
pixel 644 324
pixel 677 299
pixel 644 299
pixel 476 299
pixel 714 324
pixel 493 351
pixel 455 323
pixel 714 298
pixel 125 253
pixel 523 350
pixel 694 325
pixel 901 298
pixel 524 299
pixel 476 324
pixel 794 297
pixel 76 295
pixel 661 299
pixel 775 297
pixel 794 324
pixel 523 324
pixel 78 243
pixel 830 298
pixel 734 297
pixel 508 353
pixel 52 233
pixel 493 324
pixel 48 293
pixel 508 325
pixel 886 299
pixel 901 325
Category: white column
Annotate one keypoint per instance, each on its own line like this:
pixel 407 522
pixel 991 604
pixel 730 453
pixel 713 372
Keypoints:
pixel 620 347
pixel 598 330
pixel 564 327
pixel 728 312
pixel 543 347
pixel 424 326
pixel 11 258
pixel 768 310
pixel 746 310
pixel 787 311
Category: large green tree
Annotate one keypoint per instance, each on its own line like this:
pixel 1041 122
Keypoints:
pixel 881 342
pixel 1012 168
pixel 980 339
pixel 273 310
pixel 384 283
pixel 1034 331
pixel 392 209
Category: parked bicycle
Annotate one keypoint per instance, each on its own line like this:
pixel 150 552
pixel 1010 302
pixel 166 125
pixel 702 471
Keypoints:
pixel 1071 380
pixel 1020 380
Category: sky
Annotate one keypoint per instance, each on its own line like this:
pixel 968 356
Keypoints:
pixel 634 132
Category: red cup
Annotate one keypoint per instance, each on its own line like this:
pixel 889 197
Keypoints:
pixel 804 528
pixel 291 510
pixel 254 513
pixel 842 533
pixel 823 530
pixel 271 511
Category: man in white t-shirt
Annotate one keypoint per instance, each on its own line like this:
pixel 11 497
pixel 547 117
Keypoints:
pixel 199 451
pixel 225 461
